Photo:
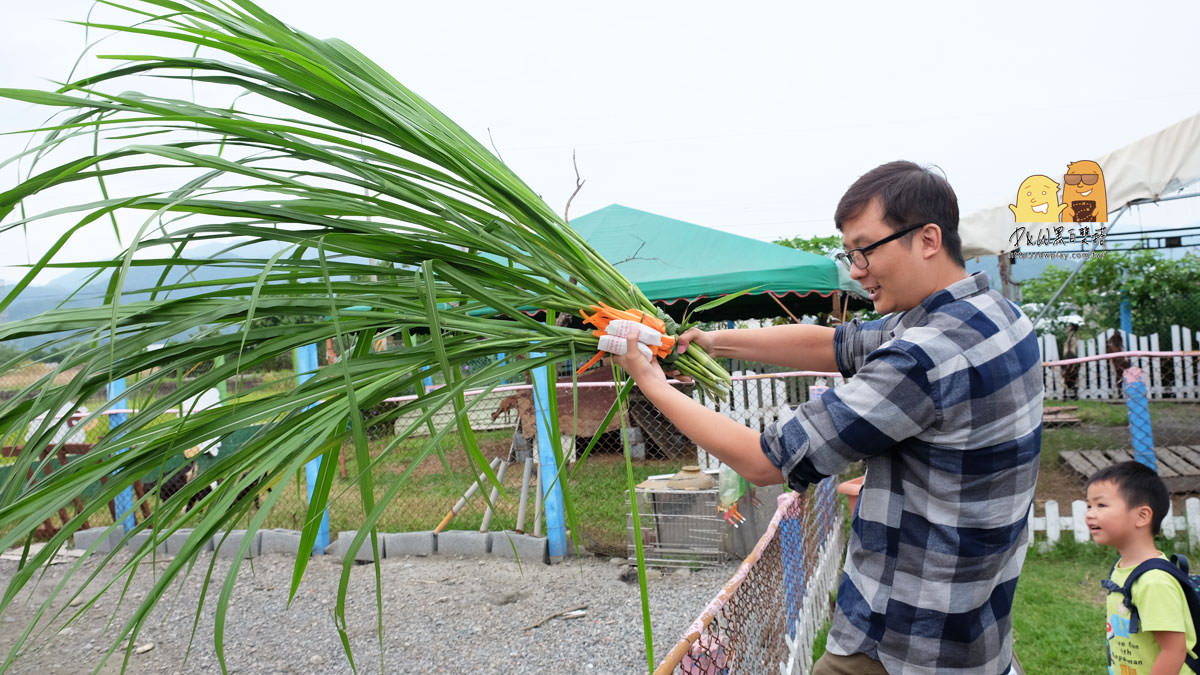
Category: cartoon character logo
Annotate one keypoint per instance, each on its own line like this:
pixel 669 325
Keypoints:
pixel 1037 201
pixel 1083 193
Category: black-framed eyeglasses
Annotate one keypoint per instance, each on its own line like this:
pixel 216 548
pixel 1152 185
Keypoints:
pixel 858 256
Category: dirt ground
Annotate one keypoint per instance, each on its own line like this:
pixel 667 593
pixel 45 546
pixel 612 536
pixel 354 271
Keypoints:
pixel 1177 424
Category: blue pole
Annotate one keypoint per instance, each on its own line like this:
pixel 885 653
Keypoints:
pixel 556 529
pixel 124 501
pixel 1140 431
pixel 306 365
pixel 1127 322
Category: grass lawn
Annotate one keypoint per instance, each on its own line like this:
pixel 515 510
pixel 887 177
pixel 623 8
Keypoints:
pixel 1058 613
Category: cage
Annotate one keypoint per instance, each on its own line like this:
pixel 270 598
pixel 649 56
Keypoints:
pixel 680 527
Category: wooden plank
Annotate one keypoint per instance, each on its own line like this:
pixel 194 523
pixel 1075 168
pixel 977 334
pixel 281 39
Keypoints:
pixel 1117 456
pixel 1181 484
pixel 1185 457
pixel 1166 458
pixel 1080 462
pixel 1189 453
pixel 1077 462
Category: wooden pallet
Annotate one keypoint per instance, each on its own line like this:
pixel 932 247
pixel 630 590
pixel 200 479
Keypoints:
pixel 1059 415
pixel 1178 465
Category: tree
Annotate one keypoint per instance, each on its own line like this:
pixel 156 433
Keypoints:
pixel 822 246
pixel 1161 291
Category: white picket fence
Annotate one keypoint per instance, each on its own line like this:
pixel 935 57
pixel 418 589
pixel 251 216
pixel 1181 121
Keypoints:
pixel 758 401
pixel 1098 379
pixel 1056 524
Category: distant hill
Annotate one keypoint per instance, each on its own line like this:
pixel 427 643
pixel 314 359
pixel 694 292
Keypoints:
pixel 39 298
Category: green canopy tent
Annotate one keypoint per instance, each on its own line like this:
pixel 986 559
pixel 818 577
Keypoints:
pixel 680 265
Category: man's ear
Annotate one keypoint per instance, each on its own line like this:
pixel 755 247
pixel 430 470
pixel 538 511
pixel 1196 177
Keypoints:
pixel 929 238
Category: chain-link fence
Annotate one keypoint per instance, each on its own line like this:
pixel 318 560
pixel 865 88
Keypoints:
pixel 765 618
pixel 443 489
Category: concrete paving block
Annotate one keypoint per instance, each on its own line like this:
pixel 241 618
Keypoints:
pixel 279 541
pixel 464 542
pixel 232 544
pixel 178 538
pixel 340 546
pixel 107 539
pixel 139 539
pixel 529 548
pixel 398 544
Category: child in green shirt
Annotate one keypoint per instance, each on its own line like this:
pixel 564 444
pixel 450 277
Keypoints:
pixel 1126 504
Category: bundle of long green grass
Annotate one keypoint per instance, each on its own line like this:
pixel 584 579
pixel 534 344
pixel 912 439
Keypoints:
pixel 384 219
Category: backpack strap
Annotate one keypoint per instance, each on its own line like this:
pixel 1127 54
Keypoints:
pixel 1178 573
pixel 1107 581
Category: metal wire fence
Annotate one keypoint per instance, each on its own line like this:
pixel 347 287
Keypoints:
pixel 445 490
pixel 765 618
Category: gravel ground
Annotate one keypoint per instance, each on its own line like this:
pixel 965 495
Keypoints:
pixel 441 615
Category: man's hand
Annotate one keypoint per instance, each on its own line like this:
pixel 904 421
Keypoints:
pixel 634 363
pixel 730 441
pixel 703 339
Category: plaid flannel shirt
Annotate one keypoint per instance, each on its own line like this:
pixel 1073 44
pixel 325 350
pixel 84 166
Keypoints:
pixel 944 403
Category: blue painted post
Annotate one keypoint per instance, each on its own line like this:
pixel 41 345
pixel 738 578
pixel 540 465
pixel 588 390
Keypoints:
pixel 500 360
pixel 556 529
pixel 1140 431
pixel 306 365
pixel 124 501
pixel 1127 323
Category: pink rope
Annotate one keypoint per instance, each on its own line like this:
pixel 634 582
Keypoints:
pixel 758 376
pixel 1114 355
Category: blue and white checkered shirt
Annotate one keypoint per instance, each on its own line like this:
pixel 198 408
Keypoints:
pixel 944 402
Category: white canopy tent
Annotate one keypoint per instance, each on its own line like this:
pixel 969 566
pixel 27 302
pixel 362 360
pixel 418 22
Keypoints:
pixel 1145 171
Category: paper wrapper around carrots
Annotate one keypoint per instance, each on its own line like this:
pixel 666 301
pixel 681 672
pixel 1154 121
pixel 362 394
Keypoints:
pixel 615 326
pixel 656 338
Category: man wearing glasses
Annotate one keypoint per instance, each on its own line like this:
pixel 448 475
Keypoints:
pixel 943 402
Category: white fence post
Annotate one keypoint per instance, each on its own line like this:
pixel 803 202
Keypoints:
pixel 1185 529
pixel 1185 379
pixel 1053 522
pixel 1192 509
pixel 1079 520
pixel 1090 384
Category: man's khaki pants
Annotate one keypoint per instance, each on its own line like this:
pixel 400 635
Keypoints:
pixel 856 664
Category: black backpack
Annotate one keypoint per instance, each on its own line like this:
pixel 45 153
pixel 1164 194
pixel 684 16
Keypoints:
pixel 1177 568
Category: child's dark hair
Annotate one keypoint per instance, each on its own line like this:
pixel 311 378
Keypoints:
pixel 1138 485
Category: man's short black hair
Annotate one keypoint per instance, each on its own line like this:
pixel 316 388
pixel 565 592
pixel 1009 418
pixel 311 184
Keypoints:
pixel 1138 485
pixel 909 194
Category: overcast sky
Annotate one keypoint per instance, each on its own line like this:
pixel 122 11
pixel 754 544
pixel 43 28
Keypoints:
pixel 747 117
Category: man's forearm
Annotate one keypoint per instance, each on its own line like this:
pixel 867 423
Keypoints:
pixel 802 346
pixel 731 442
